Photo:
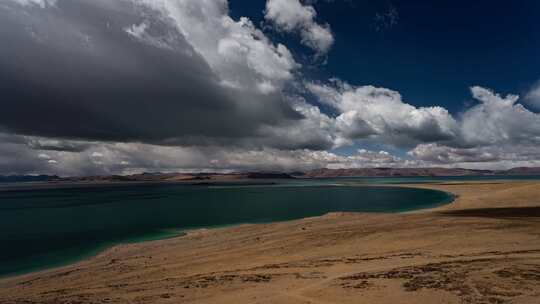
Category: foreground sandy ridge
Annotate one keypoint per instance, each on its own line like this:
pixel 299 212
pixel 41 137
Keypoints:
pixel 483 248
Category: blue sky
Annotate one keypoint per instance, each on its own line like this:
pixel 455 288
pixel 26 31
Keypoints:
pixel 434 52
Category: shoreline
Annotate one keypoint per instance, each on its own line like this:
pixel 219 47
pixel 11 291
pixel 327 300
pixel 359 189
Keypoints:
pixel 102 248
pixel 339 257
pixel 182 233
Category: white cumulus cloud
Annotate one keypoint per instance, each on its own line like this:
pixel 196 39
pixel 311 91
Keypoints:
pixel 238 52
pixel 498 120
pixel 293 16
pixel 368 111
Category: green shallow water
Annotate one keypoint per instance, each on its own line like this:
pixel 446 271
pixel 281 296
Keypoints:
pixel 51 227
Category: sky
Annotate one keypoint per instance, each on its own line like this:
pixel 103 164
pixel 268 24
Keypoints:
pixel 129 86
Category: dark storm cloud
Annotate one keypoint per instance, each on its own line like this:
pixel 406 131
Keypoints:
pixel 72 71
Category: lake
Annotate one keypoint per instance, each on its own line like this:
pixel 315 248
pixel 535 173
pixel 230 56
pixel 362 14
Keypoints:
pixel 43 228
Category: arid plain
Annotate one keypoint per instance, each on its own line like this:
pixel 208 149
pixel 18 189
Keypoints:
pixel 482 248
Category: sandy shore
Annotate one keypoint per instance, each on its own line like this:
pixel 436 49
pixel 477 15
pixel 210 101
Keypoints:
pixel 483 248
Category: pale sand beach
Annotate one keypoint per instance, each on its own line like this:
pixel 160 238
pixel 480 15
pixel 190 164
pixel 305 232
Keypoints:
pixel 482 248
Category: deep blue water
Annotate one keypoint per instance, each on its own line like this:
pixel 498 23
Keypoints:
pixel 49 227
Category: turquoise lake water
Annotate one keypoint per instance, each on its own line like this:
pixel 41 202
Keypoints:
pixel 43 228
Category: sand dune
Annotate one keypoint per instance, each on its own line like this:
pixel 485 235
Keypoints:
pixel 483 248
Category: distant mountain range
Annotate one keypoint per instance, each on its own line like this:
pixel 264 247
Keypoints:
pixel 318 173
pixel 172 177
pixel 388 172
